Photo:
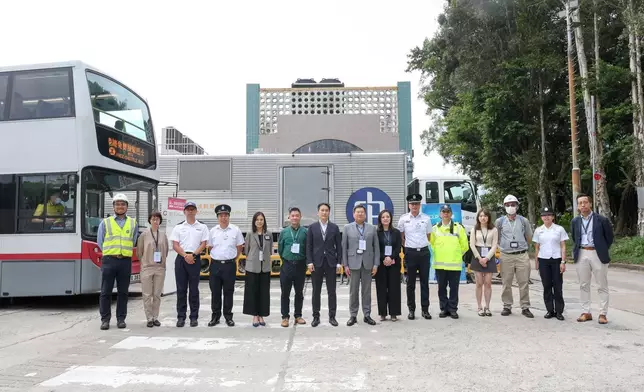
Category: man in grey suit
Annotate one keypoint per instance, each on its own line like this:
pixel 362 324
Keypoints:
pixel 360 257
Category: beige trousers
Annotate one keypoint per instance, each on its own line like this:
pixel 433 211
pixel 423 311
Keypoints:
pixel 518 265
pixel 152 279
pixel 589 264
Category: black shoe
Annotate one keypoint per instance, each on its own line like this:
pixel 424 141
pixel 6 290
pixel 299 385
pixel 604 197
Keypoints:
pixel 230 323
pixel 454 315
pixel 506 312
pixel 411 315
pixel 213 321
pixel 181 323
pixel 560 317
pixel 194 323
pixel 333 321
pixel 121 324
pixel 443 314
pixel 369 320
pixel 527 313
pixel 150 324
pixel 315 322
pixel 426 315
pixel 549 315
pixel 105 325
pixel 156 323
pixel 351 321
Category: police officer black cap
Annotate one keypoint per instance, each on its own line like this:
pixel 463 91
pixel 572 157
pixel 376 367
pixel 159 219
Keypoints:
pixel 414 198
pixel 547 211
pixel 223 208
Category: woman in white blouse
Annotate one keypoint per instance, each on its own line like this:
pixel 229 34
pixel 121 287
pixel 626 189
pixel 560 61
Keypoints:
pixel 483 242
pixel 550 245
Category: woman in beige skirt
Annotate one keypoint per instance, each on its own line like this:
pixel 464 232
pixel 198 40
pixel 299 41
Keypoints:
pixel 152 251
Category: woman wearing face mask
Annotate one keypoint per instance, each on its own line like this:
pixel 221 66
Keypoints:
pixel 152 251
pixel 550 245
pixel 483 242
pixel 258 249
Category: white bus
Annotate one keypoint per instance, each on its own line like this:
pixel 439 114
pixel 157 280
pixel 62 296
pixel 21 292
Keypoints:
pixel 73 137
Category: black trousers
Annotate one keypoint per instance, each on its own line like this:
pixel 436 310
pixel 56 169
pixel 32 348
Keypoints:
pixel 328 271
pixel 552 281
pixel 292 273
pixel 119 270
pixel 257 294
pixel 417 263
pixel 388 289
pixel 453 279
pixel 187 277
pixel 222 276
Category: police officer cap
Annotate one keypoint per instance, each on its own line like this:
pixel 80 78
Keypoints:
pixel 414 198
pixel 190 204
pixel 222 208
pixel 446 208
pixel 547 211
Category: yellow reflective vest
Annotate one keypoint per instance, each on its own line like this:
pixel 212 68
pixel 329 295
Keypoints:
pixel 119 241
pixel 449 244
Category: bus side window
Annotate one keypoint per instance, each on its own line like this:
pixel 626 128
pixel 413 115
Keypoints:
pixel 431 192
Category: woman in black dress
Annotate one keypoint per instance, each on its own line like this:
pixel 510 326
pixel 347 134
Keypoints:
pixel 388 275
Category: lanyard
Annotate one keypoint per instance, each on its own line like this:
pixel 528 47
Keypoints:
pixel 513 224
pixel 360 231
pixel 297 233
pixel 484 237
pixel 585 227
pixel 156 240
pixel 387 237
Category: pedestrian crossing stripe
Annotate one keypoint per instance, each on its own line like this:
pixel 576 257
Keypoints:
pixel 275 344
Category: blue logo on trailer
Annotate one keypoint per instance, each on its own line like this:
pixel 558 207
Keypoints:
pixel 433 210
pixel 374 200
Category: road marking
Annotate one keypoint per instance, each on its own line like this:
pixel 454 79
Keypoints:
pixel 326 344
pixel 202 344
pixel 301 382
pixel 118 376
pixel 30 374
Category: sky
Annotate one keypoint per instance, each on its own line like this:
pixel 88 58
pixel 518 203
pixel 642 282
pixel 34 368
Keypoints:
pixel 191 60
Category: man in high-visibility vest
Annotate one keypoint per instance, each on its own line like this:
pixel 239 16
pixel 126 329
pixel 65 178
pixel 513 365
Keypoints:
pixel 116 237
pixel 449 244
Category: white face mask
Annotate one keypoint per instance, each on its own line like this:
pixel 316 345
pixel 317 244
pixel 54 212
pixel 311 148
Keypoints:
pixel 511 210
pixel 59 201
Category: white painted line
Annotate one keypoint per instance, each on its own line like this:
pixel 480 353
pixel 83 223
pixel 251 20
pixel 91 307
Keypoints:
pixel 30 374
pixel 119 376
pixel 326 344
pixel 203 344
pixel 301 382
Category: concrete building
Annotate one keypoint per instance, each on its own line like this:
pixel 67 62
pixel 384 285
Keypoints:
pixel 175 142
pixel 326 117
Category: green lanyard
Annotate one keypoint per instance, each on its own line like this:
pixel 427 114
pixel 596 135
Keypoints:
pixel 297 234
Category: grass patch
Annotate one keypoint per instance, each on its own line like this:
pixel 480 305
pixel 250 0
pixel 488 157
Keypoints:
pixel 629 250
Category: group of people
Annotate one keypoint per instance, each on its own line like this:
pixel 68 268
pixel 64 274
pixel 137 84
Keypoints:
pixel 363 250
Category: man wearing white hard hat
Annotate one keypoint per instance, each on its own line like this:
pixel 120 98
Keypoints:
pixel 116 238
pixel 515 235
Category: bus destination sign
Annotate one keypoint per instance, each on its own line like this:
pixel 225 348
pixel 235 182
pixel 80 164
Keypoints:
pixel 125 149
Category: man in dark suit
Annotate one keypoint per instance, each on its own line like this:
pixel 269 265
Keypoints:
pixel 323 244
pixel 592 235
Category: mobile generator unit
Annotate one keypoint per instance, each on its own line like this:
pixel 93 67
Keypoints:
pixel 273 183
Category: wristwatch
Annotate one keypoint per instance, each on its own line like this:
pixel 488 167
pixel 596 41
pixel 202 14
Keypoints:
pixel 563 261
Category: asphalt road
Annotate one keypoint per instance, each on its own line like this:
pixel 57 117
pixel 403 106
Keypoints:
pixel 54 344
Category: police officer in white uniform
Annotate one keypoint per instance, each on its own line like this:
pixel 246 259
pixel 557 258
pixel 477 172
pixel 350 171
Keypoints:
pixel 189 239
pixel 415 227
pixel 227 242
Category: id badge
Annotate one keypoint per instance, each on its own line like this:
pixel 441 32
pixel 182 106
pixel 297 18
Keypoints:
pixel 261 255
pixel 388 250
pixel 362 244
pixel 157 257
pixel 295 248
pixel 484 251
pixel 584 239
pixel 514 245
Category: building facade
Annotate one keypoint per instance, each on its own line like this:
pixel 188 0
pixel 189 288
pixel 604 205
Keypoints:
pixel 327 117
pixel 175 142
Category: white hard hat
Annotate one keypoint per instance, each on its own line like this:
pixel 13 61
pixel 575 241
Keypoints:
pixel 120 197
pixel 510 199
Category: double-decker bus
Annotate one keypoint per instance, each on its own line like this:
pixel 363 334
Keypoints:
pixel 72 138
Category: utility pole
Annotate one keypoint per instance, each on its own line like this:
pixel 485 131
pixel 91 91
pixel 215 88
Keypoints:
pixel 576 176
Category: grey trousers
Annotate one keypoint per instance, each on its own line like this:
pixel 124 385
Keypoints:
pixel 360 284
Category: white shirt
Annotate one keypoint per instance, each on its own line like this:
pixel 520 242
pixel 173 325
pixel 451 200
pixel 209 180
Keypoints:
pixel 189 236
pixel 415 229
pixel 224 242
pixel 549 240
